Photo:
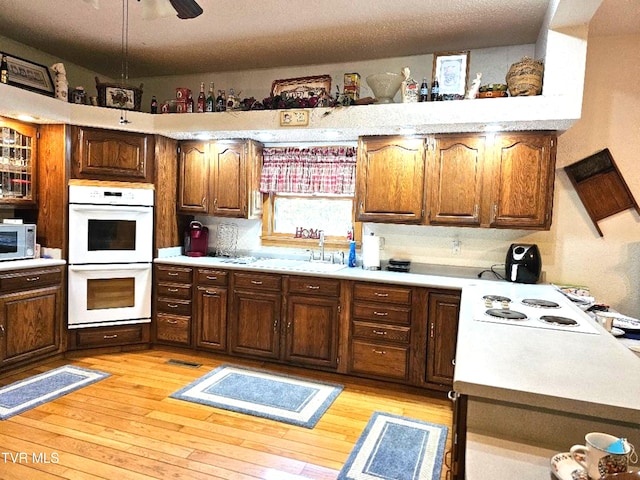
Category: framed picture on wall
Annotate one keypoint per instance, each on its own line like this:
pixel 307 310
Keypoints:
pixel 30 76
pixel 452 71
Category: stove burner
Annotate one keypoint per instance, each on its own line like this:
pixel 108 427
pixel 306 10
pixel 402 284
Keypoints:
pixel 557 320
pixel 496 298
pixel 536 302
pixel 506 314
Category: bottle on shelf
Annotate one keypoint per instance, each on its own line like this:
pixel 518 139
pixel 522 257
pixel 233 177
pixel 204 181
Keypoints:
pixel 190 103
pixel 435 90
pixel 221 101
pixel 154 104
pixel 424 91
pixel 211 101
pixel 201 99
pixel 4 70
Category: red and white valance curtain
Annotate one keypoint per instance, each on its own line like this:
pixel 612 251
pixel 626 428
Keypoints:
pixel 319 170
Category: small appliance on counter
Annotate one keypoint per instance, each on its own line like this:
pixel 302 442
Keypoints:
pixel 17 241
pixel 196 240
pixel 523 263
pixel 399 265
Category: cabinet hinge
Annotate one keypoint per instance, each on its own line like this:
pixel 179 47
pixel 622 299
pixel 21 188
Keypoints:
pixel 37 133
pixel 339 308
pixel 178 149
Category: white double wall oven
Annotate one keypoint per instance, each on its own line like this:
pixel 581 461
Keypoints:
pixel 110 255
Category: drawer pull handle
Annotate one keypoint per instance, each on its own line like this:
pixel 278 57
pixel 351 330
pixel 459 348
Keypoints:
pixel 173 274
pixel 172 290
pixel 110 337
pixel 2 330
pixel 33 279
pixel 381 314
pixel 379 352
pixel 313 287
pixel 172 305
pixel 207 293
pixel 378 294
pixel 172 322
pixel 380 332
pixel 212 277
pixel 256 282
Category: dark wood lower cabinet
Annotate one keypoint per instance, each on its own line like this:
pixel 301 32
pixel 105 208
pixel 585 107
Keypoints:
pixel 399 333
pixel 116 336
pixel 312 330
pixel 443 312
pixel 254 325
pixel 30 315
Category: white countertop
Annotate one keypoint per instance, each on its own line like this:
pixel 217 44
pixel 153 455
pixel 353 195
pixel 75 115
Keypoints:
pixel 30 263
pixel 584 374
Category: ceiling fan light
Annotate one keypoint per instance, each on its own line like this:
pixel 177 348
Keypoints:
pixel 152 9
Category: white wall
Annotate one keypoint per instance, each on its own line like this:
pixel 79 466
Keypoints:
pixel 492 62
pixel 77 76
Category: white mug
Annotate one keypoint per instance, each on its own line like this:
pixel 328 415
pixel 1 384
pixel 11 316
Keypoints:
pixel 595 458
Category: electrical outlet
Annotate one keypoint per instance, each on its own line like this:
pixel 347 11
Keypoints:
pixel 455 247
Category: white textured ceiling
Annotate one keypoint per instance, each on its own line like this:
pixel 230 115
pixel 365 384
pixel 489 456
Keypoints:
pixel 248 34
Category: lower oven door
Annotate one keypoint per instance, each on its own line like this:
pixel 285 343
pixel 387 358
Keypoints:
pixel 102 295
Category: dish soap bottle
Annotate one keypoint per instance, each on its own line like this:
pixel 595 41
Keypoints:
pixel 352 253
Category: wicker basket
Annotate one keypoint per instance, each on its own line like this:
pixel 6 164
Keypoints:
pixel 525 77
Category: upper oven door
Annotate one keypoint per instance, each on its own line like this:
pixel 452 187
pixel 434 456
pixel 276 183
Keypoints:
pixel 110 234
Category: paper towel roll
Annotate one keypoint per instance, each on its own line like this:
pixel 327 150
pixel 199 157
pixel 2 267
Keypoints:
pixel 371 252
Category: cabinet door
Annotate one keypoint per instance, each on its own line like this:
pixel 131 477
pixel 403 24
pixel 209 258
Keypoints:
pixel 390 180
pixel 29 324
pixel 194 178
pixel 456 180
pixel 443 314
pixel 18 154
pixel 254 324
pixel 211 318
pixel 312 330
pixel 523 175
pixel 229 192
pixel 112 155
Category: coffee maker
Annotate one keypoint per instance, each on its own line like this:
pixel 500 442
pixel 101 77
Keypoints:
pixel 196 240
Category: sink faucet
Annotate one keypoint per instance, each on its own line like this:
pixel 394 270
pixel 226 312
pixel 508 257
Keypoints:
pixel 321 245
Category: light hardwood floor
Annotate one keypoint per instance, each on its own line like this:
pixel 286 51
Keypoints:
pixel 127 428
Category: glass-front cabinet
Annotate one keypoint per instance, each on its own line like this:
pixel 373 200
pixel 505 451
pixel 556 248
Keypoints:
pixel 17 161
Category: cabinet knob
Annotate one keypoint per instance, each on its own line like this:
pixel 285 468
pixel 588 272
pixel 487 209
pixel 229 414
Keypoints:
pixel 2 330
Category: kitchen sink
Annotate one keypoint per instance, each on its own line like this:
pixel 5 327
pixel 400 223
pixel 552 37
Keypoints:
pixel 297 265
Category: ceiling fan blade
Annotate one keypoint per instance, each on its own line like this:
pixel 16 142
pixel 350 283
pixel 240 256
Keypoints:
pixel 186 8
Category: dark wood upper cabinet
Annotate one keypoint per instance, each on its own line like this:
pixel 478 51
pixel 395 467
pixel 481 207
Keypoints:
pixel 112 155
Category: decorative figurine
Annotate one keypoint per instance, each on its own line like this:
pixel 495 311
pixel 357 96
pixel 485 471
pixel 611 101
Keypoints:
pixel 61 83
pixel 475 87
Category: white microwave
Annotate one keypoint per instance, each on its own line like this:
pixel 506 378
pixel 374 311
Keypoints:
pixel 17 241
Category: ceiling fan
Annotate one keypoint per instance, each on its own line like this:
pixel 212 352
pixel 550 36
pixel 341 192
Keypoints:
pixel 164 8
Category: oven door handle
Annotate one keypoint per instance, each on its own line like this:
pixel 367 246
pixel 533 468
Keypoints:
pixel 80 207
pixel 109 266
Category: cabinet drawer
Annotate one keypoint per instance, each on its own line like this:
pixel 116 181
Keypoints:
pixel 109 336
pixel 317 286
pixel 211 277
pixel 174 306
pixel 386 333
pixel 30 279
pixel 381 312
pixel 382 293
pixel 173 328
pixel 173 291
pixel 380 360
pixel 257 281
pixel 173 274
